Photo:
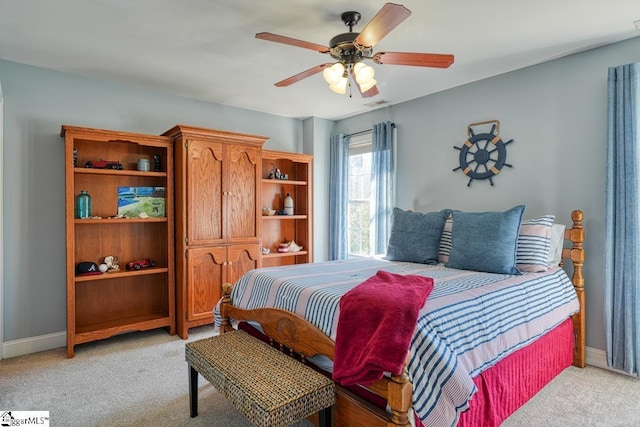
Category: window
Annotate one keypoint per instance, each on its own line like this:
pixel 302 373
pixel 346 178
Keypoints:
pixel 362 192
pixel 360 233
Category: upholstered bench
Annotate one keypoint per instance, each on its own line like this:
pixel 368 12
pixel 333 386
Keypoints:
pixel 266 385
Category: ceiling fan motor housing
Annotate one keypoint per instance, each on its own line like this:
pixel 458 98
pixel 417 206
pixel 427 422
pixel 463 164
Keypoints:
pixel 343 48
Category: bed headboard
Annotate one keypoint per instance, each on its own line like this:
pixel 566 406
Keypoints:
pixel 574 252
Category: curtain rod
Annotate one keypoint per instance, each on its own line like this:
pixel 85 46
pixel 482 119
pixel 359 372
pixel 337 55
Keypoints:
pixel 362 132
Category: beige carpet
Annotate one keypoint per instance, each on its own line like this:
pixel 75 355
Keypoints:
pixel 583 397
pixel 141 379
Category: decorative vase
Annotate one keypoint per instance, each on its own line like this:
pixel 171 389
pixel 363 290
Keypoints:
pixel 83 205
pixel 288 205
pixel 143 165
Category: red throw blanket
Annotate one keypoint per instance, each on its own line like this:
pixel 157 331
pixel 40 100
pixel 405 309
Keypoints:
pixel 375 327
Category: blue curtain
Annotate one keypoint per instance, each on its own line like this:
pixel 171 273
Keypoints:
pixel 622 220
pixel 382 173
pixel 339 168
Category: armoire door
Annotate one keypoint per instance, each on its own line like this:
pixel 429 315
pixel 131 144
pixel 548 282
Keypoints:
pixel 242 193
pixel 206 273
pixel 242 258
pixel 204 193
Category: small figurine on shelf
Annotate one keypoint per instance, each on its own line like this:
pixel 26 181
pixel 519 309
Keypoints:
pixel 104 164
pixel 140 263
pixel 290 246
pixel 112 263
pixel 294 247
pixel 275 173
pixel 75 157
pixel 157 165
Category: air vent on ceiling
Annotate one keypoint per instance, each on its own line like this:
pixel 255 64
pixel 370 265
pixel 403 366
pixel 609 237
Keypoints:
pixel 377 103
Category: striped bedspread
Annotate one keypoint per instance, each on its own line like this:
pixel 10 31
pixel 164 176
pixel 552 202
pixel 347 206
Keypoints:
pixel 470 321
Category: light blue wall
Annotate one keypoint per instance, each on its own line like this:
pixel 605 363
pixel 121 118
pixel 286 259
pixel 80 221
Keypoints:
pixel 317 133
pixel 37 102
pixel 556 113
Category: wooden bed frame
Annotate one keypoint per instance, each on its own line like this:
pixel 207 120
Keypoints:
pixel 294 334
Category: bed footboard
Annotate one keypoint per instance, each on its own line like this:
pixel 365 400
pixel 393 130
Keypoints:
pixel 294 334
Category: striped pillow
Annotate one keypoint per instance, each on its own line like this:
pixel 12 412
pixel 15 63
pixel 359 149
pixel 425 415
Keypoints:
pixel 445 241
pixel 534 244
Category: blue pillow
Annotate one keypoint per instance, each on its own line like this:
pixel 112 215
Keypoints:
pixel 415 236
pixel 486 241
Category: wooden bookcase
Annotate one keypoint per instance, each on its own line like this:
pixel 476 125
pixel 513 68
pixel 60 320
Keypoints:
pixel 298 227
pixel 100 306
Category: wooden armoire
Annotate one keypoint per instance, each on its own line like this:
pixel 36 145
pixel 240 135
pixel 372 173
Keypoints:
pixel 217 211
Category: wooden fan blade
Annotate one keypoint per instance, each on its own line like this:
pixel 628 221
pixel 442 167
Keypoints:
pixel 368 94
pixel 388 18
pixel 371 92
pixel 293 42
pixel 303 75
pixel 435 60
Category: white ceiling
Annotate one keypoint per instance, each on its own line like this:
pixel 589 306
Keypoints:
pixel 206 49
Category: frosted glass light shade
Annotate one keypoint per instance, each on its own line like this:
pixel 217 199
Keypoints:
pixel 340 86
pixel 363 72
pixel 364 87
pixel 364 76
pixel 333 74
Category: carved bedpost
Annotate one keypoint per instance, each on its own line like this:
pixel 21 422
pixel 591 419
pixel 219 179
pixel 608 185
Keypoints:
pixel 576 254
pixel 225 326
pixel 399 398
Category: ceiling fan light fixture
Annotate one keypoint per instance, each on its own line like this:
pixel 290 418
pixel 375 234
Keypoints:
pixel 340 86
pixel 364 73
pixel 333 74
pixel 364 87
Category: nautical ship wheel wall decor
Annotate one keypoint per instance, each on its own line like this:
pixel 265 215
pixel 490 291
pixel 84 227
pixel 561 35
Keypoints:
pixel 483 155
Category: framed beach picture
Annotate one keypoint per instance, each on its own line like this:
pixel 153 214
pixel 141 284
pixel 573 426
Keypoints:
pixel 132 201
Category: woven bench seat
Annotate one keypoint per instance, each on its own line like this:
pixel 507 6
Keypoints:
pixel 265 385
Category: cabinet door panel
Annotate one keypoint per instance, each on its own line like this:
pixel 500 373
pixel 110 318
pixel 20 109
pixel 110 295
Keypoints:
pixel 204 193
pixel 242 186
pixel 242 258
pixel 205 276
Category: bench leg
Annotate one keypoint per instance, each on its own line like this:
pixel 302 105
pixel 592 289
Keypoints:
pixel 325 417
pixel 193 392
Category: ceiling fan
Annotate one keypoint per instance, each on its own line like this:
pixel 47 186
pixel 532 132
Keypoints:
pixel 350 49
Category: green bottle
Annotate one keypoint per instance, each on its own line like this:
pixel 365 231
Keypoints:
pixel 83 205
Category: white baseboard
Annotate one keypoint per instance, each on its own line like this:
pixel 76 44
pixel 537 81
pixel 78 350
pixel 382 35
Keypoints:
pixel 34 344
pixel 596 357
